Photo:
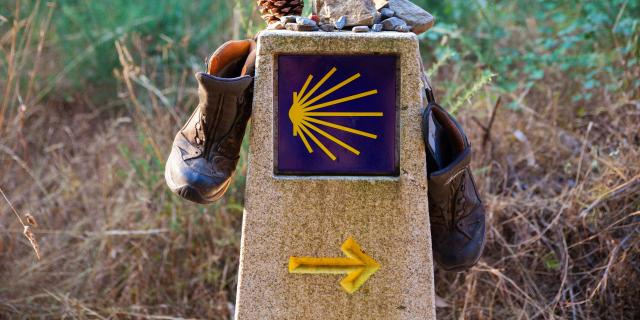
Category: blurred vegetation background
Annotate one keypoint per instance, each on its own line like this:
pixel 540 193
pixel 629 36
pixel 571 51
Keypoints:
pixel 92 93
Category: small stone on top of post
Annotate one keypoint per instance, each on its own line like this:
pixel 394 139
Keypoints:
pixel 370 12
pixel 335 15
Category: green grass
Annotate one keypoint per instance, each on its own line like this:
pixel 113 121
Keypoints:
pixel 521 41
pixel 594 41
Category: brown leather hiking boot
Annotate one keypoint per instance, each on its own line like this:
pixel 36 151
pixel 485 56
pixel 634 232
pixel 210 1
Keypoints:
pixel 206 150
pixel 455 209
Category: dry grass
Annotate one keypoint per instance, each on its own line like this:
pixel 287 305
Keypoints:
pixel 562 192
pixel 564 213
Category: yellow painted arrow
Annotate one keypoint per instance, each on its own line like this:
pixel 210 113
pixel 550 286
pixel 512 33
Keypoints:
pixel 358 266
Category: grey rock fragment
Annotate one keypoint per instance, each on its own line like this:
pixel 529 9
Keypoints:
pixel 417 18
pixel 377 17
pixel 288 19
pixel 325 20
pixel 297 27
pixel 387 13
pixel 341 23
pixel 357 12
pixel 326 27
pixel 306 22
pixel 404 28
pixel 392 23
pixel 377 27
pixel 359 29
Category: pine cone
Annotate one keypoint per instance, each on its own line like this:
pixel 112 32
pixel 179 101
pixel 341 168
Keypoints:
pixel 272 10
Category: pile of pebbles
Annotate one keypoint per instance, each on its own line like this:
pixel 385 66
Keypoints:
pixel 384 19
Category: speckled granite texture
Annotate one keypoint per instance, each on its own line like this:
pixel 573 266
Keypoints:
pixel 313 216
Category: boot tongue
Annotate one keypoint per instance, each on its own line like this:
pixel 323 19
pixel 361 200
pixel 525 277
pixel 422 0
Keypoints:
pixel 221 101
pixel 448 147
pixel 249 67
pixel 229 60
pixel 443 176
pixel 445 139
pixel 434 142
pixel 230 69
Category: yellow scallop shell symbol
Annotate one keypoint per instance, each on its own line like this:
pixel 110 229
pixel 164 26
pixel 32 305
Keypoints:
pixel 303 114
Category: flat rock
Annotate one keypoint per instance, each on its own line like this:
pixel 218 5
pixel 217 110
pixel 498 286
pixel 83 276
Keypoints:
pixel 417 18
pixel 392 23
pixel 298 27
pixel 359 29
pixel 357 12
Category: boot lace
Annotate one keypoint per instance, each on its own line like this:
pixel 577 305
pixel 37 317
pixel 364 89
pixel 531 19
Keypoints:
pixel 199 139
pixel 461 208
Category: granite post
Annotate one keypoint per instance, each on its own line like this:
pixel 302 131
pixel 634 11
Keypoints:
pixel 329 241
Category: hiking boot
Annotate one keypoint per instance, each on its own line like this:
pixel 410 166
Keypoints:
pixel 455 209
pixel 206 150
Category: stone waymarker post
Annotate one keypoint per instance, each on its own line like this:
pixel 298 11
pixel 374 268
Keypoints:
pixel 336 222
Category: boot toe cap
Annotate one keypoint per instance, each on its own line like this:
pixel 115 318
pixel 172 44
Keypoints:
pixel 190 180
pixel 456 252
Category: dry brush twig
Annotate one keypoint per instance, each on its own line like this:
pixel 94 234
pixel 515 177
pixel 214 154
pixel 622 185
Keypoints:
pixel 27 228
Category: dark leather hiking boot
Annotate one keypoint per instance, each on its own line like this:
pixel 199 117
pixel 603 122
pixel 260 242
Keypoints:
pixel 455 209
pixel 206 150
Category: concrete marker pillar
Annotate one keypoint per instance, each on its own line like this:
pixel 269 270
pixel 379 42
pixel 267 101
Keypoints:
pixel 319 243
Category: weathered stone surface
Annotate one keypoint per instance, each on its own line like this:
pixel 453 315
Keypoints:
pixel 392 23
pixel 359 29
pixel 386 13
pixel 313 216
pixel 417 18
pixel 376 27
pixel 300 27
pixel 341 22
pixel 357 12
